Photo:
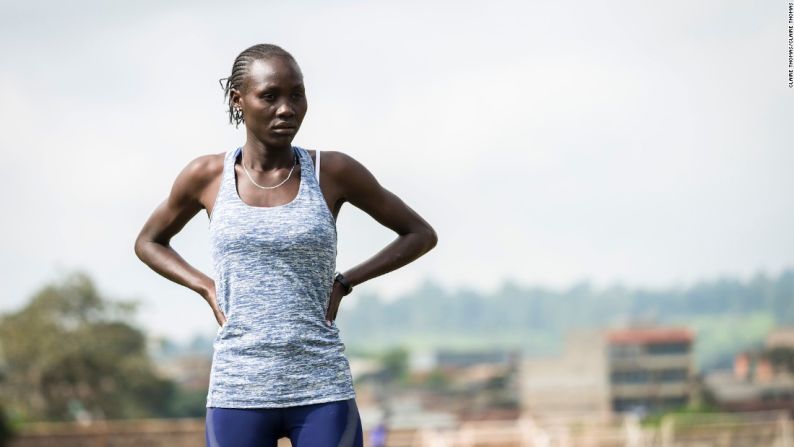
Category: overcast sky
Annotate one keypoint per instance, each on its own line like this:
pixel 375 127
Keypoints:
pixel 548 142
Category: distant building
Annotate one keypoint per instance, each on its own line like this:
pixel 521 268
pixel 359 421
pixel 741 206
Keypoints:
pixel 650 368
pixel 427 360
pixel 573 384
pixel 756 383
pixel 465 367
pixel 782 337
pixel 616 370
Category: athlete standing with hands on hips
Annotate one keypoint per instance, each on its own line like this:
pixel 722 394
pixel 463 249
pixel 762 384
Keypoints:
pixel 278 366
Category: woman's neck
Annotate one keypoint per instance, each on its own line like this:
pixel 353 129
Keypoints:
pixel 259 157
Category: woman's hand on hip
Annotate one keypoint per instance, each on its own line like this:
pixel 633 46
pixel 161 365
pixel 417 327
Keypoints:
pixel 337 292
pixel 209 296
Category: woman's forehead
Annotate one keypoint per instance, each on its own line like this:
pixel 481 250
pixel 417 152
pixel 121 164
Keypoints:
pixel 275 71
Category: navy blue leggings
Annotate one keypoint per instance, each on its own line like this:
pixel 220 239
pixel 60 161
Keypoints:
pixel 327 424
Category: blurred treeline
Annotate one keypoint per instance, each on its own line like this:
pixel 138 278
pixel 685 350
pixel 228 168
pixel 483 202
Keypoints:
pixel 72 354
pixel 727 314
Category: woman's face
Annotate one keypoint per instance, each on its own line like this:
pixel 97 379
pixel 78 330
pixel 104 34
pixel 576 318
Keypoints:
pixel 273 100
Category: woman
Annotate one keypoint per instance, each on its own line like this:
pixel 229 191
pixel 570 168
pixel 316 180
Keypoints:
pixel 278 366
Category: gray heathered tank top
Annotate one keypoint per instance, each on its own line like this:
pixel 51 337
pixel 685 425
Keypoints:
pixel 274 271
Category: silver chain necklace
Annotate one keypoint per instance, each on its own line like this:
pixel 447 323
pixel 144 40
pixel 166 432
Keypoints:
pixel 295 162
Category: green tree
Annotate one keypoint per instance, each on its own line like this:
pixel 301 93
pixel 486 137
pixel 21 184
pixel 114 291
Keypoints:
pixel 70 354
pixel 395 364
pixel 6 430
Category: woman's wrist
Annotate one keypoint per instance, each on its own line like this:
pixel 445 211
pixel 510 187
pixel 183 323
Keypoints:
pixel 207 290
pixel 344 282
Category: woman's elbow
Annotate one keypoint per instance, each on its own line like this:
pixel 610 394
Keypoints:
pixel 431 237
pixel 142 247
pixel 139 248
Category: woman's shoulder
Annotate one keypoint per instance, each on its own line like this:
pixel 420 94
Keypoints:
pixel 348 177
pixel 195 179
pixel 205 167
pixel 200 173
pixel 334 162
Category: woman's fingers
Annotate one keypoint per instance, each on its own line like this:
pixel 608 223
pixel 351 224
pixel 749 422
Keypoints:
pixel 219 316
pixel 333 306
pixel 328 311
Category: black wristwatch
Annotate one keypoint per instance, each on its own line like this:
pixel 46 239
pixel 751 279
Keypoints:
pixel 345 283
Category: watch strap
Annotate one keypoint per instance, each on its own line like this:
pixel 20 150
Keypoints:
pixel 338 276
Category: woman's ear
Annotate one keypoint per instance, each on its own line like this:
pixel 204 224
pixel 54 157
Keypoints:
pixel 236 97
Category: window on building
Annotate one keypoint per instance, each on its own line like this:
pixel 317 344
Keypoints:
pixel 667 348
pixel 672 375
pixel 629 377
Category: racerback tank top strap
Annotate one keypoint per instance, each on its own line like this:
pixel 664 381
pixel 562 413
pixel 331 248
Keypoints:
pixel 273 278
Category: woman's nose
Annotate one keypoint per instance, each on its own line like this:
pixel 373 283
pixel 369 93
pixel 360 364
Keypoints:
pixel 285 109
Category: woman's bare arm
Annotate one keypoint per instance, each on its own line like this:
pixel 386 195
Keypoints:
pixel 359 187
pixel 186 199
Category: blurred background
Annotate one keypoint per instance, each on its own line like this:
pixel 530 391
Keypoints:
pixel 608 181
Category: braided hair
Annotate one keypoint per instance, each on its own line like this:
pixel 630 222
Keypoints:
pixel 240 69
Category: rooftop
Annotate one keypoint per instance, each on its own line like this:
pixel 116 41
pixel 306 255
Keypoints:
pixel 649 335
